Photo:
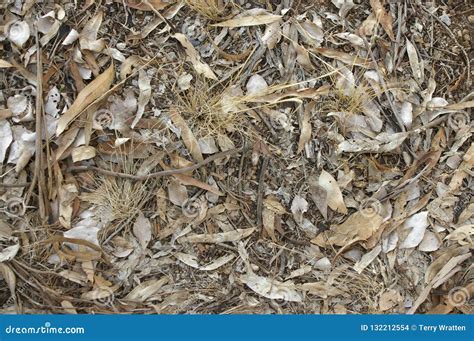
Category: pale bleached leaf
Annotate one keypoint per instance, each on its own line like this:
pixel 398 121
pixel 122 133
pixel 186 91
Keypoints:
pixel 271 288
pixel 142 230
pixel 334 195
pixel 253 20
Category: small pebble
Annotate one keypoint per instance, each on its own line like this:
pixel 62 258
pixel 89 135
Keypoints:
pixel 471 19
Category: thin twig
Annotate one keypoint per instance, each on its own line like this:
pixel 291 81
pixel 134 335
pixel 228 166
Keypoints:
pixel 160 173
pixel 261 182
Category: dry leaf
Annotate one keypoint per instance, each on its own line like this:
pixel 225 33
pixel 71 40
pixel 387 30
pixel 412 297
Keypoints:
pixel 358 227
pixel 249 21
pixel 343 57
pixel 144 97
pixel 142 230
pixel 305 135
pixel 414 229
pixel 383 17
pixel 92 92
pixel 88 37
pixel 4 64
pixel 193 57
pixel 146 289
pixel 334 195
pixel 415 63
pixel 177 193
pixel 187 135
pixel 390 298
pixel 271 288
pixel 83 153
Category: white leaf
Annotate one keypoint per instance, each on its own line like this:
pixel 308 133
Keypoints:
pixel 415 226
pixel 334 195
pixel 177 193
pixel 430 242
pixel 271 288
pixel 144 97
pixel 9 253
pixel 256 84
pixel 6 138
pixel 18 32
pixel 142 230
pixel 298 207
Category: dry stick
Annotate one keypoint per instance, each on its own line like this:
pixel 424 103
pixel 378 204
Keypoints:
pixel 37 178
pixel 160 173
pixel 261 182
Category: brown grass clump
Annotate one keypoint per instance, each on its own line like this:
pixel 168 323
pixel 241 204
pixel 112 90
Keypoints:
pixel 364 288
pixel 119 200
pixel 210 9
pixel 204 108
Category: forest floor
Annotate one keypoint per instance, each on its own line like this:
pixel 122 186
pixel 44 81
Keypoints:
pixel 236 157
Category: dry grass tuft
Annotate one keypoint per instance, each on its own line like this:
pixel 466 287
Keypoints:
pixel 210 9
pixel 204 108
pixel 364 289
pixel 119 200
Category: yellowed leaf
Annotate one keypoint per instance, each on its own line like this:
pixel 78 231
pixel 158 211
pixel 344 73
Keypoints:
pixel 92 92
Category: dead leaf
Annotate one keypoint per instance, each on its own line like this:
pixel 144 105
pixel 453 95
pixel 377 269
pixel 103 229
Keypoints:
pixel 413 230
pixel 193 57
pixel 187 135
pixel 343 57
pixel 358 227
pixel 334 195
pixel 415 63
pixel 249 21
pixel 271 288
pixel 91 93
pixel 383 17
pixel 305 135
pixel 142 230
pixel 146 289
pixel 390 298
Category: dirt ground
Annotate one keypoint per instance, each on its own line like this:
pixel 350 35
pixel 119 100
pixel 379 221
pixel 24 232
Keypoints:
pixel 236 157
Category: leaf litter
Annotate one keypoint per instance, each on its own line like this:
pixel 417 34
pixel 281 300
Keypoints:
pixel 217 156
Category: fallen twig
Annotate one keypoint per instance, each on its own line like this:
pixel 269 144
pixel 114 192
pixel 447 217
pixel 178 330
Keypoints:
pixel 160 173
